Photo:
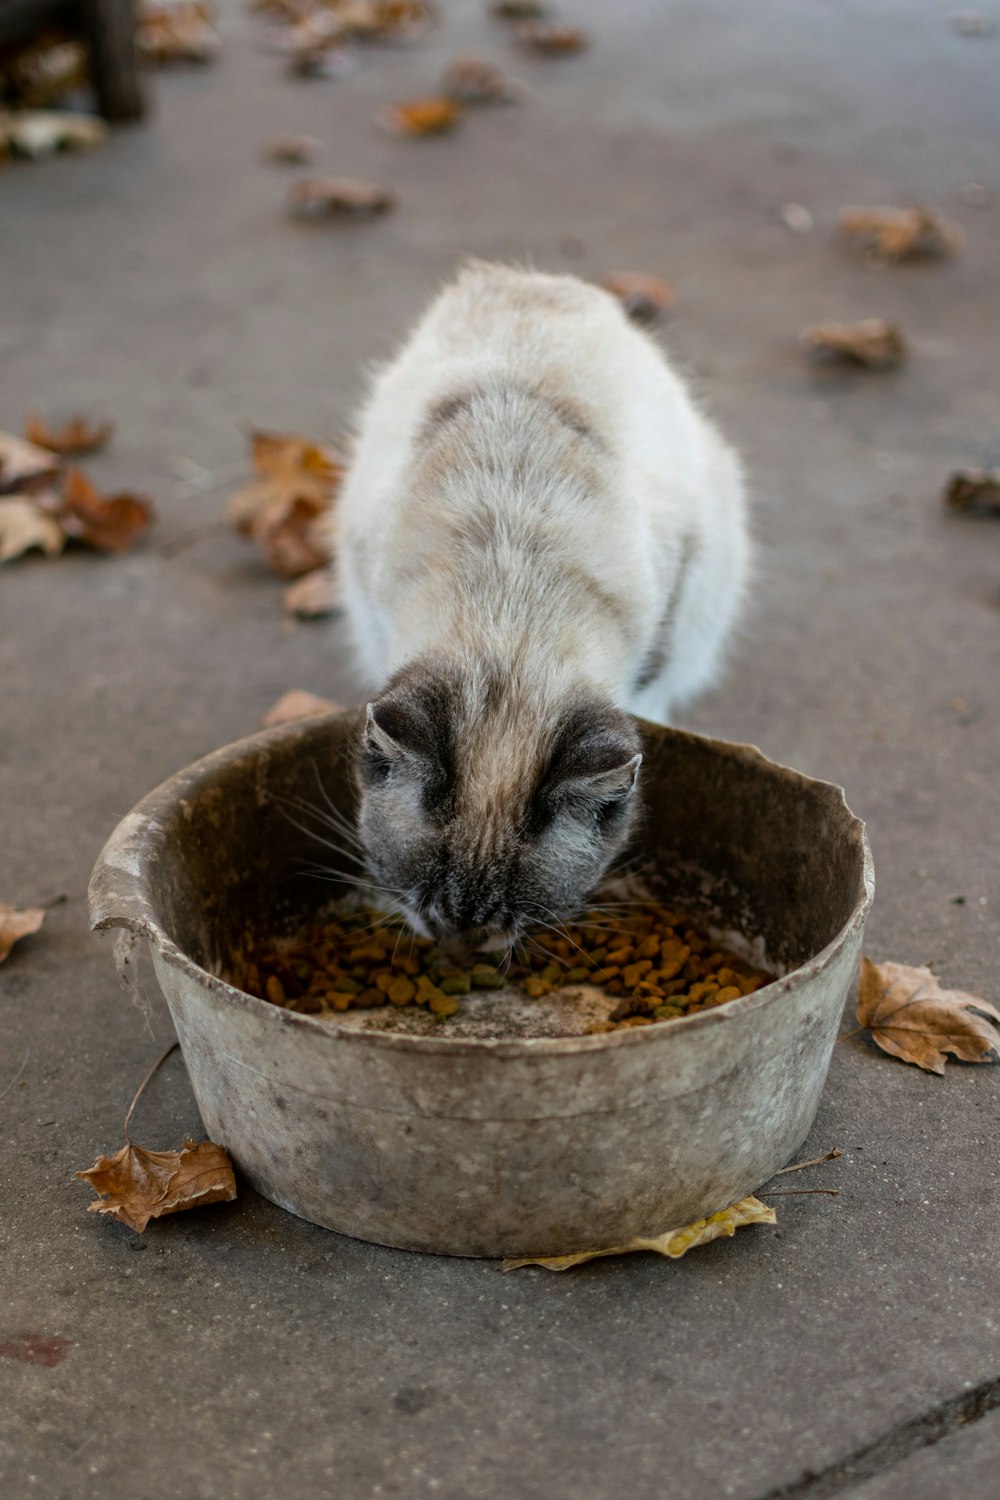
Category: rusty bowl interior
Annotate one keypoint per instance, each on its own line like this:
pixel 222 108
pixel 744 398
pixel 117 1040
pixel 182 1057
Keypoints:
pixel 477 1138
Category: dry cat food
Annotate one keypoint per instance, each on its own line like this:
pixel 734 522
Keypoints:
pixel 658 962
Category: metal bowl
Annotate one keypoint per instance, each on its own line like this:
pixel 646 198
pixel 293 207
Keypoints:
pixel 465 1144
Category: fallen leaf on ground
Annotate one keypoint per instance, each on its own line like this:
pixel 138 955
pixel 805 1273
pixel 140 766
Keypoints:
pixel 15 924
pixel 797 218
pixel 897 234
pixel 78 435
pixel 181 32
pixel 644 298
pixel 39 132
pixel 673 1244
pixel 313 596
pixel 433 116
pixel 874 343
pixel 550 40
pixel 286 509
pixel 43 72
pixel 292 150
pixel 338 197
pixel 972 23
pixel 521 10
pixel 975 490
pixel 911 1017
pixel 317 45
pixel 140 1185
pixel 109 523
pixel 24 465
pixel 387 20
pixel 476 80
pixel 24 527
pixel 297 704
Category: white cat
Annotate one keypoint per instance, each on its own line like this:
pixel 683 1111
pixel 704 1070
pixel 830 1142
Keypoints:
pixel 540 534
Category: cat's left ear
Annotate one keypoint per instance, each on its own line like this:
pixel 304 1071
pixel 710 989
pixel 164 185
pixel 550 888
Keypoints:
pixel 614 784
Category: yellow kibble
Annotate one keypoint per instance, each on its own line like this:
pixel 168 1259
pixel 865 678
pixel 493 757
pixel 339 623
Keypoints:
pixel 728 992
pixel 634 972
pixel 443 1005
pixel 536 987
pixel 275 990
pixel 401 991
pixel 648 948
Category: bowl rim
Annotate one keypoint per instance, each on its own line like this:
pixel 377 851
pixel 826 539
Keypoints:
pixel 120 896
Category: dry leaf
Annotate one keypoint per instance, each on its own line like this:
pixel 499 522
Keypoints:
pixel 550 40
pixel 874 343
pixel 297 704
pixel 292 150
pixel 39 132
pixel 110 524
pixel 316 45
pixel 972 23
pixel 23 526
pixel 338 197
pixel 897 234
pixel 434 116
pixel 181 32
pixel 976 490
pixel 141 1185
pixel 286 509
pixel 911 1017
pixel 644 298
pixel 43 72
pixel 673 1244
pixel 24 465
pixel 387 20
pixel 313 596
pixel 16 924
pixel 78 435
pixel 476 80
pixel 521 10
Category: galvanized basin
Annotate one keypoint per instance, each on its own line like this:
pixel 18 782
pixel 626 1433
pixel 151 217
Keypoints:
pixel 525 1145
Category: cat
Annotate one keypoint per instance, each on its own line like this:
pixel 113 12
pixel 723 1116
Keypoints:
pixel 540 536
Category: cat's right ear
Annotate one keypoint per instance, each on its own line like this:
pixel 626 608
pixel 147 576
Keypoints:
pixel 378 742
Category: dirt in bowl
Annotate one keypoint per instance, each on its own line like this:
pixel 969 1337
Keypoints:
pixel 653 964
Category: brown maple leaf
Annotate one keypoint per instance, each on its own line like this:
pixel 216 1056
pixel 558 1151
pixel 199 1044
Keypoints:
pixel 477 80
pixel 911 1017
pixel 387 20
pixel 521 10
pixel 180 32
pixel 550 40
pixel 297 704
pixel 874 343
pixel 140 1185
pixel 15 924
pixel 975 490
pixel 645 298
pixel 434 116
pixel 109 523
pixel 898 234
pixel 78 435
pixel 286 509
pixel 338 198
pixel 292 150
pixel 673 1244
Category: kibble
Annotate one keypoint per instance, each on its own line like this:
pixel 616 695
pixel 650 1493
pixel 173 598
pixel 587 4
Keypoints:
pixel 656 963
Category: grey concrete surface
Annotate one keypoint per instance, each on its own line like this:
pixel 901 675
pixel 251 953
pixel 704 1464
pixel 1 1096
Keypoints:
pixel 237 1352
pixel 965 1463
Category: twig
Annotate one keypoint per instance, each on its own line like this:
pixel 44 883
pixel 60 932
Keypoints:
pixel 17 1076
pixel 846 1037
pixel 797 1192
pixel 131 1109
pixel 815 1162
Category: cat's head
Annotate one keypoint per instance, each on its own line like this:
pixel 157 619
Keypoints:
pixel 488 808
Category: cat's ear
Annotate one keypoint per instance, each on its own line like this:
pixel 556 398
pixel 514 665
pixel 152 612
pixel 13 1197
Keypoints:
pixel 594 761
pixel 378 739
pixel 611 784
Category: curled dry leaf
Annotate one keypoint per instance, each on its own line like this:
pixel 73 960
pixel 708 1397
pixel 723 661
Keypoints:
pixel 24 466
pixel 338 198
pixel 387 20
pixel 286 509
pixel 110 524
pixel 313 596
pixel 550 40
pixel 25 527
pixel 78 435
pixel 182 32
pixel 432 116
pixel 911 1017
pixel 292 150
pixel 644 298
pixel 874 343
pixel 521 10
pixel 898 234
pixel 40 132
pixel 317 45
pixel 477 80
pixel 297 704
pixel 15 924
pixel 41 73
pixel 975 490
pixel 140 1185
pixel 673 1244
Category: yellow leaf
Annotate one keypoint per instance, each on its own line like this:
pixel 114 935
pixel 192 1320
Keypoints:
pixel 673 1244
pixel 913 1018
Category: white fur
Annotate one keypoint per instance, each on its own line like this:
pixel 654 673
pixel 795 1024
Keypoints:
pixel 660 495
